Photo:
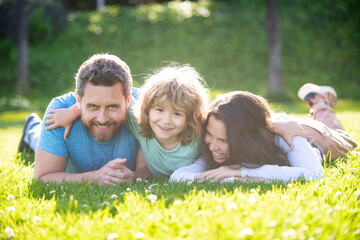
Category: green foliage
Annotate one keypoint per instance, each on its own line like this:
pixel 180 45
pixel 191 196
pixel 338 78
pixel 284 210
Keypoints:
pixel 224 40
pixel 40 30
pixel 155 209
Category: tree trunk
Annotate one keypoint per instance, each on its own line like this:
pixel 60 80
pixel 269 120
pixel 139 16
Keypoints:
pixel 22 79
pixel 273 32
pixel 100 4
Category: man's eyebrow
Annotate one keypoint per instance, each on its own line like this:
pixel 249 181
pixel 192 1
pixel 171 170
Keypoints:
pixel 114 105
pixel 91 104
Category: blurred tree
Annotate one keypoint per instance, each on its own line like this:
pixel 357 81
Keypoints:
pixel 275 85
pixel 22 79
pixel 24 23
pixel 100 4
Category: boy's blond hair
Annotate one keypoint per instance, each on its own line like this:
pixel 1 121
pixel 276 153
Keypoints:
pixel 184 88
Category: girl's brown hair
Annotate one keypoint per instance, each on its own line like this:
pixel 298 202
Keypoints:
pixel 247 120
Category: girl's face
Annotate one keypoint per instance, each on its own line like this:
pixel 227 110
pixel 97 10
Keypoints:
pixel 217 140
pixel 167 123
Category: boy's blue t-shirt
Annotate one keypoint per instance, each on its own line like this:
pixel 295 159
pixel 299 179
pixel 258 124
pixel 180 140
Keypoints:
pixel 84 152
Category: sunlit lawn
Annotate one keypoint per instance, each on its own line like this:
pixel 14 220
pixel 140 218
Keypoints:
pixel 325 209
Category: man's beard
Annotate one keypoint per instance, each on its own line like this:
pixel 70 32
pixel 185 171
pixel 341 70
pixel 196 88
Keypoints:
pixel 105 136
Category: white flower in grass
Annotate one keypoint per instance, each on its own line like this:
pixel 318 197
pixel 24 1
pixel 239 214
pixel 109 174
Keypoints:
pixel 337 207
pixel 114 196
pixel 11 209
pixel 37 219
pixel 109 220
pixel 338 193
pixel 152 197
pixel 9 232
pixel 232 206
pixel 252 190
pixel 188 183
pixel 330 211
pixel 52 191
pixel 146 181
pixel 128 189
pixel 138 180
pixel 245 232
pixel 272 223
pixel 177 202
pixel 357 193
pixel 10 197
pixel 112 236
pixel 252 200
pixel 285 197
pixel 199 213
pixel 139 235
pixel 84 205
pixel 291 233
pixel 289 185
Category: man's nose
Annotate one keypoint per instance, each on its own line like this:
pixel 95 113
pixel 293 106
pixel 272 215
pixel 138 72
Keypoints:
pixel 102 116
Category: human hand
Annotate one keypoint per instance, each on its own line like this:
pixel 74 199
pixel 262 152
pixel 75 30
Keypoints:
pixel 252 179
pixel 62 117
pixel 59 118
pixel 115 172
pixel 287 130
pixel 221 172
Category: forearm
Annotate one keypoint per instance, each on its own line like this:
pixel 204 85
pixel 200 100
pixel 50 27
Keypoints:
pixel 142 172
pixel 59 177
pixel 75 112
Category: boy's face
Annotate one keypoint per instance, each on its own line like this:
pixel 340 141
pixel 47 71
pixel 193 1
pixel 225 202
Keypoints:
pixel 167 123
pixel 103 110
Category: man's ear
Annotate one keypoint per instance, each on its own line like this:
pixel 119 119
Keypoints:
pixel 128 100
pixel 78 99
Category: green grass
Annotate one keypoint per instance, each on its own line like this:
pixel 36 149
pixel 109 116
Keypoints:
pixel 324 209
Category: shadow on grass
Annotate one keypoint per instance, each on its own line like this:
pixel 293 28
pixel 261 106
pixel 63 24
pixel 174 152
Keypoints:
pixel 27 157
pixel 85 198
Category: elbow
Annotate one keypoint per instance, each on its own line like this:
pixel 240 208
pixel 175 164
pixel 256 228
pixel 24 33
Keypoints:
pixel 315 175
pixel 40 176
pixel 175 177
pixel 178 176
